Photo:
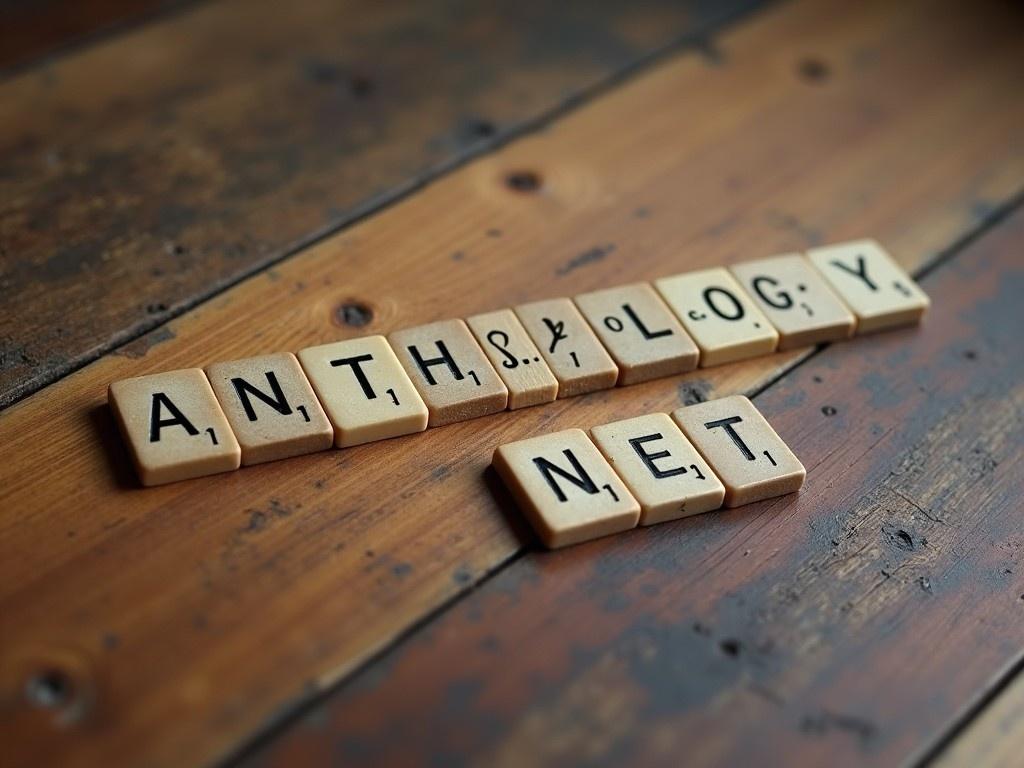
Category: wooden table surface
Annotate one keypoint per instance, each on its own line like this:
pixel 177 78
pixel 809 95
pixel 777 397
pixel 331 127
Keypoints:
pixel 186 182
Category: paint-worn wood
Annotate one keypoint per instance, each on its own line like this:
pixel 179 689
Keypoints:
pixel 175 159
pixel 186 617
pixel 847 625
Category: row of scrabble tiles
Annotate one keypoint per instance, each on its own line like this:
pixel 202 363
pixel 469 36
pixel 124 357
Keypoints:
pixel 647 470
pixel 193 422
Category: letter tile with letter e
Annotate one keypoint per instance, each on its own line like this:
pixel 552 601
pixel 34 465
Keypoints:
pixel 271 407
pixel 515 358
pixel 723 320
pixel 872 284
pixel 662 470
pixel 641 334
pixel 742 448
pixel 364 390
pixel 450 371
pixel 566 489
pixel 796 299
pixel 572 351
pixel 174 426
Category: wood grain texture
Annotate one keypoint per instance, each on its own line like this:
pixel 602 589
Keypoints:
pixel 176 159
pixel 995 739
pixel 847 625
pixel 185 618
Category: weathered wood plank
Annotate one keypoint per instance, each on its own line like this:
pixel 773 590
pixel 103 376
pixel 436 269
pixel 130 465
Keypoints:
pixel 850 623
pixel 187 616
pixel 140 175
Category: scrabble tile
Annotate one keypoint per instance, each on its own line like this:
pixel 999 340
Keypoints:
pixel 565 488
pixel 639 332
pixel 271 407
pixel 515 358
pixel 174 426
pixel 796 300
pixel 364 390
pixel 450 371
pixel 660 467
pixel 723 320
pixel 568 345
pixel 872 284
pixel 744 451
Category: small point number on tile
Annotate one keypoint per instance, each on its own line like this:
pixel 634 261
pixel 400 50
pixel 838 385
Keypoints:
pixel 770 459
pixel 213 435
pixel 302 409
pixel 696 469
pixel 474 377
pixel 394 397
pixel 575 360
pixel 608 488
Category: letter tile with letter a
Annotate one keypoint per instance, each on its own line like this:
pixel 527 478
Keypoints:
pixel 662 470
pixel 565 488
pixel 450 371
pixel 740 445
pixel 364 390
pixel 722 319
pixel 515 358
pixel 174 427
pixel 796 299
pixel 639 331
pixel 271 407
pixel 872 284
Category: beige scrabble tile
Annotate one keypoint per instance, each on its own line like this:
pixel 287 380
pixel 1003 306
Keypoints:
pixel 722 319
pixel 742 448
pixel 572 351
pixel 796 300
pixel 872 284
pixel 565 488
pixel 450 371
pixel 660 467
pixel 174 426
pixel 271 407
pixel 515 358
pixel 639 332
pixel 364 390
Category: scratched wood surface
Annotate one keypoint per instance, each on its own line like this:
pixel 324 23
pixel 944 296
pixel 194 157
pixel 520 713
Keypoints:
pixel 178 621
pixel 173 160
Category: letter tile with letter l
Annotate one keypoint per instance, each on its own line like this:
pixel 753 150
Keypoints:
pixel 579 361
pixel 643 337
pixel 662 470
pixel 174 426
pixel 364 390
pixel 742 448
pixel 515 358
pixel 796 299
pixel 565 488
pixel 450 371
pixel 723 320
pixel 872 284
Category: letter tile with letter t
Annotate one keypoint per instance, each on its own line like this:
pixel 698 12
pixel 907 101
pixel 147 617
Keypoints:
pixel 450 371
pixel 174 426
pixel 364 390
pixel 271 407
pixel 872 284
pixel 742 448
pixel 565 488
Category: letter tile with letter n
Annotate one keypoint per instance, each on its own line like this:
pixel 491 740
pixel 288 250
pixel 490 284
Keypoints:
pixel 662 470
pixel 364 390
pixel 641 334
pixel 450 371
pixel 271 407
pixel 565 488
pixel 515 358
pixel 796 299
pixel 742 448
pixel 872 284
pixel 723 320
pixel 174 427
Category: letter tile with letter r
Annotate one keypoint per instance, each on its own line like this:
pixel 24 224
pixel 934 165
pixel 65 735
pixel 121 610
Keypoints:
pixel 740 445
pixel 872 284
pixel 174 426
pixel 364 390
pixel 515 358
pixel 565 488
